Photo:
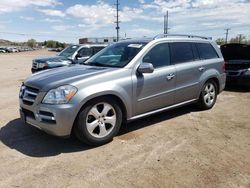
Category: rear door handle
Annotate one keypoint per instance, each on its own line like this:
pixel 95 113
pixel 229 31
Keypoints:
pixel 201 69
pixel 170 76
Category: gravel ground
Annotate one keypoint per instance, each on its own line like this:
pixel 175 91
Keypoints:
pixel 178 148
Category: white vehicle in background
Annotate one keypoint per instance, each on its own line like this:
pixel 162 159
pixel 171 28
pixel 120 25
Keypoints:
pixel 12 50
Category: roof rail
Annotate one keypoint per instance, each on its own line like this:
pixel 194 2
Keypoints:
pixel 180 35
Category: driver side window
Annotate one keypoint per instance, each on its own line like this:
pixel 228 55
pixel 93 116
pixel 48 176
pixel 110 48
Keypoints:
pixel 158 56
pixel 84 52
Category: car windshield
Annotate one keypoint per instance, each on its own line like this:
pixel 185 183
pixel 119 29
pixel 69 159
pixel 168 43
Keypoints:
pixel 68 52
pixel 117 55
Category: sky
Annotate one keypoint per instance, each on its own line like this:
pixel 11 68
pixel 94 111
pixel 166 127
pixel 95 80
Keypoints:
pixel 69 20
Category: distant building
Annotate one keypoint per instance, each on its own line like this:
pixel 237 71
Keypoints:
pixel 101 40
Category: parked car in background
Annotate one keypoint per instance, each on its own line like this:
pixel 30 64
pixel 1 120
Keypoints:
pixel 125 81
pixel 73 54
pixel 237 57
pixel 12 50
pixel 3 50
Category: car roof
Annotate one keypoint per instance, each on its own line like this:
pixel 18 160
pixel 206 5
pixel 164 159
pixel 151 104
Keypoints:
pixel 181 38
pixel 93 45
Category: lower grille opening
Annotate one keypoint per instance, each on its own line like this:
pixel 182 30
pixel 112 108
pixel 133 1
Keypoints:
pixel 27 102
pixel 28 113
pixel 46 113
pixel 47 117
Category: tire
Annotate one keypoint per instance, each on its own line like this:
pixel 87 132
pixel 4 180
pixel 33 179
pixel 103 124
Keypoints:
pixel 98 122
pixel 208 95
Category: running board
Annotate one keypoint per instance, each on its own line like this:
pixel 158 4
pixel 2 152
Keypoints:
pixel 162 109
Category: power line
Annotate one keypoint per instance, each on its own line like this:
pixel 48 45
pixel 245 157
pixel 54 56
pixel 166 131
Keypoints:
pixel 117 20
pixel 227 30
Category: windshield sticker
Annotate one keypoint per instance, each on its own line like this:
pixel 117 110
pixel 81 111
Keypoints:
pixel 135 45
pixel 74 46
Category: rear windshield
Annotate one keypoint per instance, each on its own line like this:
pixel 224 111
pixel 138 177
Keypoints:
pixel 236 51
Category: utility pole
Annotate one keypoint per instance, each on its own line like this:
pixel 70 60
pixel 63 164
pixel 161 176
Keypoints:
pixel 240 38
pixel 227 30
pixel 117 20
pixel 166 23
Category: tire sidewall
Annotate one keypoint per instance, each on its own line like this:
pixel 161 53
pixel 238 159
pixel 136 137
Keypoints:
pixel 202 102
pixel 82 131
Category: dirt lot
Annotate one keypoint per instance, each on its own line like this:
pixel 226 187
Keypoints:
pixel 178 148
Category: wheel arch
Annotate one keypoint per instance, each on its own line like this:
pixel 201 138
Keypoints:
pixel 110 96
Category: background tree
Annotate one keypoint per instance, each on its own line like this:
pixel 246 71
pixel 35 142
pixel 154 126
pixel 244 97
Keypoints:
pixel 240 39
pixel 31 43
pixel 220 41
pixel 51 44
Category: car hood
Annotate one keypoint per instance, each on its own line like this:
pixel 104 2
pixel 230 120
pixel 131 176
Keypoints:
pixel 54 61
pixel 53 78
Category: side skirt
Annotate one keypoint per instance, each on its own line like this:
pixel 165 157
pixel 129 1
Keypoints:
pixel 162 109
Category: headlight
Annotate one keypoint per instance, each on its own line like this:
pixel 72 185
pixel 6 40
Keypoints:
pixel 247 72
pixel 60 95
pixel 42 65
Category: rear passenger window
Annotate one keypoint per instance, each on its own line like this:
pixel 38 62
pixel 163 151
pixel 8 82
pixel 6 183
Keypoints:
pixel 181 52
pixel 206 51
pixel 158 56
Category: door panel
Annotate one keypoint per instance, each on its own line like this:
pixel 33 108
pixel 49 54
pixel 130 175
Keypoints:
pixel 185 57
pixel 154 91
pixel 187 80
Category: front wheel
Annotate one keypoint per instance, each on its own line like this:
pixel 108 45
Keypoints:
pixel 208 95
pixel 98 122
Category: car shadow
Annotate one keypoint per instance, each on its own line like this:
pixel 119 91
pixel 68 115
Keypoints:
pixel 32 142
pixel 157 118
pixel 236 88
pixel 35 143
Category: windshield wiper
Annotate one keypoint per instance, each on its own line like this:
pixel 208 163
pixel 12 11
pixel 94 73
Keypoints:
pixel 94 63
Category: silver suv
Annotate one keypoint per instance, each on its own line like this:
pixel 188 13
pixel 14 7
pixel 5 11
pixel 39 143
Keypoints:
pixel 128 80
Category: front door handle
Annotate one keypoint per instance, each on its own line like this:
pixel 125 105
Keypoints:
pixel 201 69
pixel 170 76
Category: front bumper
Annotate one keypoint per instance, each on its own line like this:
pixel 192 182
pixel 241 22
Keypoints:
pixel 36 70
pixel 56 120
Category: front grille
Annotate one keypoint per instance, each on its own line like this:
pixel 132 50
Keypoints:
pixel 34 65
pixel 28 95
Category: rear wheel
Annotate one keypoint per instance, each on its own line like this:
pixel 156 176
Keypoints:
pixel 98 122
pixel 208 95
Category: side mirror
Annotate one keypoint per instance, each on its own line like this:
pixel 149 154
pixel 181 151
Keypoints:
pixel 145 68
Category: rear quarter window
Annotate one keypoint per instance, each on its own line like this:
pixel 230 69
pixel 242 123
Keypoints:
pixel 206 51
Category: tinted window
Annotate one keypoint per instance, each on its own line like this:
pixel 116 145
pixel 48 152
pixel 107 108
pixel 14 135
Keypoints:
pixel 195 52
pixel 158 56
pixel 206 51
pixel 181 52
pixel 97 49
pixel 84 52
